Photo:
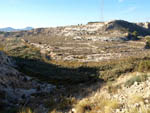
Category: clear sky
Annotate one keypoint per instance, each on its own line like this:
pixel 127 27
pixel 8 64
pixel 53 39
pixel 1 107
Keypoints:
pixel 47 13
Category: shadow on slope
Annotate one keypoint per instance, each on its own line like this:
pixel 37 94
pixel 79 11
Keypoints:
pixel 77 82
pixel 126 26
pixel 57 75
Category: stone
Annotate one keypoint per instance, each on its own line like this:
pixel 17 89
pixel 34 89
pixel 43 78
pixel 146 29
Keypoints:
pixel 146 101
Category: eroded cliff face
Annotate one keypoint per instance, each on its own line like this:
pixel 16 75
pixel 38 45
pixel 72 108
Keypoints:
pixel 15 87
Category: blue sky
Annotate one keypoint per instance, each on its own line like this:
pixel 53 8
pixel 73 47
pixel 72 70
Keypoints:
pixel 46 13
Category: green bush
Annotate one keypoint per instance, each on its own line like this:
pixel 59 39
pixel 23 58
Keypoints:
pixel 147 38
pixel 135 34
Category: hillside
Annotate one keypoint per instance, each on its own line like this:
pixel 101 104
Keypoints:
pixel 121 25
pixel 16 87
pixel 100 67
pixel 104 31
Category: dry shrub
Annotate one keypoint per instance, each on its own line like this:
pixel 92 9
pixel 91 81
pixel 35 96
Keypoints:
pixel 102 105
pixel 26 110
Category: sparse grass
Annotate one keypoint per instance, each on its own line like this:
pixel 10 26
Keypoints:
pixel 141 109
pixel 147 38
pixel 1 49
pixel 64 103
pixel 31 62
pixel 109 70
pixel 26 110
pixel 83 106
pixel 144 66
pixel 106 70
pixel 107 106
pixel 133 110
pixel 1 46
pixel 94 105
pixel 25 52
pixel 113 88
pixel 54 111
pixel 71 71
pixel 139 78
pixel 135 99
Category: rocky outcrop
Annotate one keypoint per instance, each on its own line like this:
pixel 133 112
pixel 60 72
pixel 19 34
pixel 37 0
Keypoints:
pixel 15 87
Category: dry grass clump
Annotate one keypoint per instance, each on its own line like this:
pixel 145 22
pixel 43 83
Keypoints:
pixel 100 105
pixel 135 99
pixel 54 111
pixel 141 109
pixel 144 66
pixel 26 110
pixel 64 103
pixel 112 87
pixel 83 106
pixel 1 49
pixel 107 106
pixel 139 105
pixel 147 45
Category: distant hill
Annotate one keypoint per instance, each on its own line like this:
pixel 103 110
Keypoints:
pixel 112 30
pixel 121 25
pixel 10 29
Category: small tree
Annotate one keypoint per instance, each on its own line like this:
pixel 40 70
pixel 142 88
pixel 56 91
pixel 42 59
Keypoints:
pixel 134 35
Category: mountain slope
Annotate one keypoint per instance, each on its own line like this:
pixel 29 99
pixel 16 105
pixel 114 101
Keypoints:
pixel 10 29
pixel 122 25
pixel 7 29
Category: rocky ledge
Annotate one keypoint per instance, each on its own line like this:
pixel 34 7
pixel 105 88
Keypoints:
pixel 15 87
